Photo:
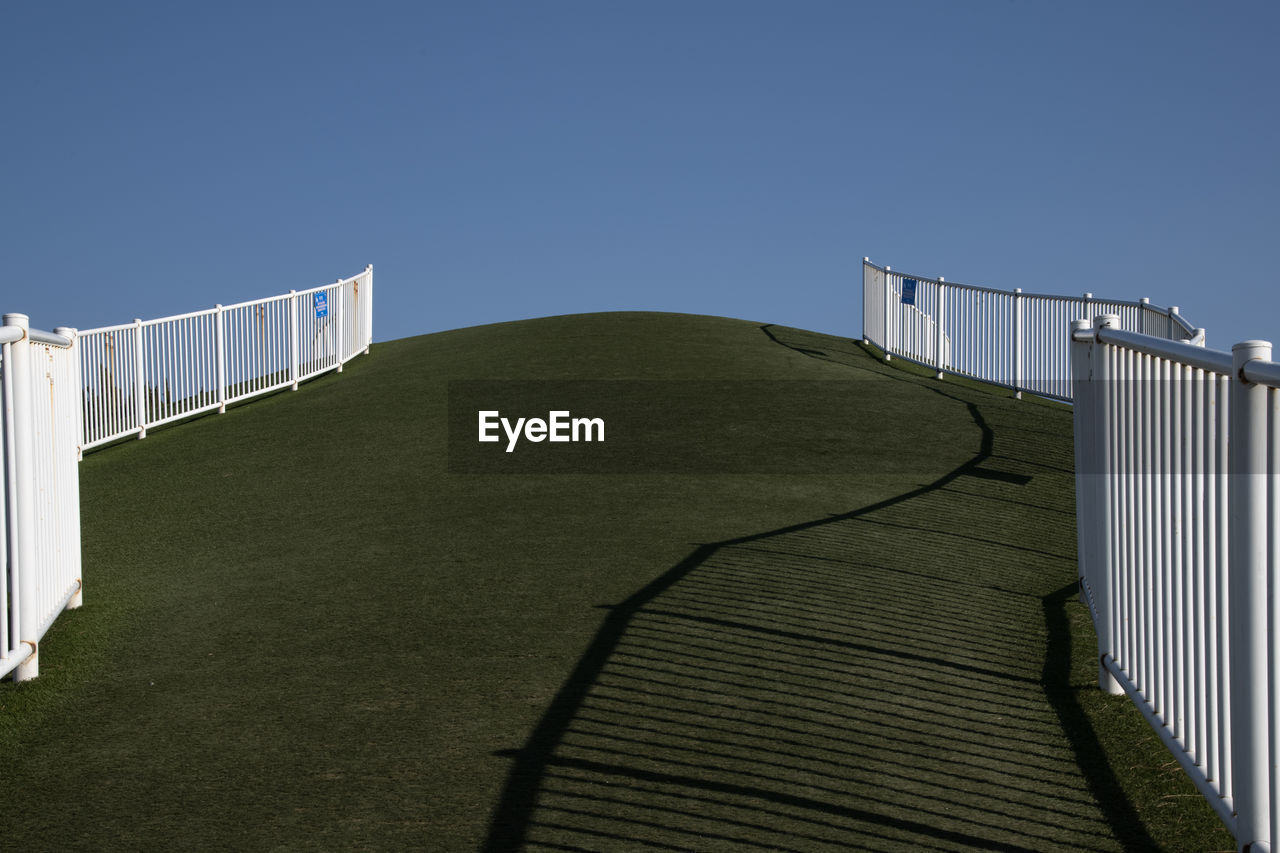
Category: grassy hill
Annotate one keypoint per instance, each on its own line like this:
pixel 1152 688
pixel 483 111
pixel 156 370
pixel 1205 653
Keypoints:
pixel 810 602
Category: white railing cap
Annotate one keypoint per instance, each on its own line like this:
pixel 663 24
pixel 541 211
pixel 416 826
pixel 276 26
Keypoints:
pixel 1176 351
pixel 1262 372
pixel 49 338
pixel 17 326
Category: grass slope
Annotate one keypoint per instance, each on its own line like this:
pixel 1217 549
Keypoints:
pixel 302 631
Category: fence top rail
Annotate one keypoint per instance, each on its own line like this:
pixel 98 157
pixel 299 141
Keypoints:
pixel 19 328
pixel 339 283
pixel 1094 300
pixel 104 330
pixel 189 315
pixel 1262 372
pixel 252 302
pixel 1183 352
pixel 51 338
pixel 980 289
pixel 329 286
pixel 207 311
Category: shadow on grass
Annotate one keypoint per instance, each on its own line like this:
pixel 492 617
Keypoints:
pixel 1090 756
pixel 890 677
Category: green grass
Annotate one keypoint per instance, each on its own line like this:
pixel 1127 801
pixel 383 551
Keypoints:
pixel 301 631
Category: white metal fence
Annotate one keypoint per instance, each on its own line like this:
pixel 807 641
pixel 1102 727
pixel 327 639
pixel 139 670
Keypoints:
pixel 67 392
pixel 1178 501
pixel 40 502
pixel 149 372
pixel 1009 338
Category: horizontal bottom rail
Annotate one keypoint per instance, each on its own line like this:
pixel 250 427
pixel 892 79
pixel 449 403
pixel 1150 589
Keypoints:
pixel 261 392
pixel 189 413
pixel 8 665
pixel 1222 805
pixel 64 603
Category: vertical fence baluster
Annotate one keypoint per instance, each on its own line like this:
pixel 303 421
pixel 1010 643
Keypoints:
pixel 1200 508
pixel 1190 652
pixel 1151 674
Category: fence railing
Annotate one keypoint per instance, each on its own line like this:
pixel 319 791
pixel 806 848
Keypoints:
pixel 40 501
pixel 1009 338
pixel 147 373
pixel 67 391
pixel 1178 501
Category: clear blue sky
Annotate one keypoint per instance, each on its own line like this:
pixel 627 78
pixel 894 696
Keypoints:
pixel 497 161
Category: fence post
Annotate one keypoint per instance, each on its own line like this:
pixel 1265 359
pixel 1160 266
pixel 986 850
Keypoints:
pixel 942 313
pixel 1098 508
pixel 1144 306
pixel 221 347
pixel 76 600
pixel 1173 312
pixel 368 308
pixel 1248 598
pixel 22 546
pixel 293 338
pixel 340 318
pixel 71 332
pixel 357 325
pixel 865 261
pixel 1017 342
pixel 139 378
pixel 888 291
pixel 1085 444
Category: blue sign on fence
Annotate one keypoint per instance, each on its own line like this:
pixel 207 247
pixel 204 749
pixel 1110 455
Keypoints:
pixel 909 291
pixel 322 304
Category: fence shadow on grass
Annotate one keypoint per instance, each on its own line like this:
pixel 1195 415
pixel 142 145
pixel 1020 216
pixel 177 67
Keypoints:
pixel 893 677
